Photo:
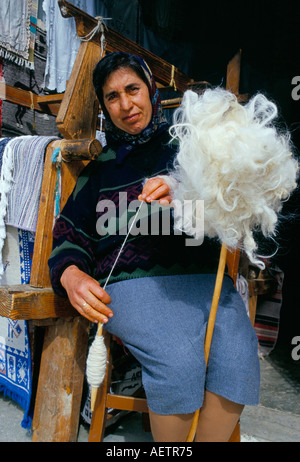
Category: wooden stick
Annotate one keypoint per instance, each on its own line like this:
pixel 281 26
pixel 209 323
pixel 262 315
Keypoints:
pixel 210 326
pixel 173 101
pixel 84 149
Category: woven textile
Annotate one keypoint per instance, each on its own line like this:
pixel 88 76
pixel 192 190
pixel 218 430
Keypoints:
pixel 20 120
pixel 15 356
pixel 20 183
pixel 17 30
pixel 28 160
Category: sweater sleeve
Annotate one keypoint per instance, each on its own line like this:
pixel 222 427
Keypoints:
pixel 74 233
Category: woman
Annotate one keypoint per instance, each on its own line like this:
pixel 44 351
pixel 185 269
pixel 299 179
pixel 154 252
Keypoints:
pixel 159 294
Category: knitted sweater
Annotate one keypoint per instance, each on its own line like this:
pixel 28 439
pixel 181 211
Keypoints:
pixel 94 222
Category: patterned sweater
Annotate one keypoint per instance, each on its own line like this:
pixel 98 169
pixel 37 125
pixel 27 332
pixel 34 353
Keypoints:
pixel 94 222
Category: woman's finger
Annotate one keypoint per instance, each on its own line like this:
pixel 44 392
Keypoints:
pixel 98 306
pixel 154 189
pixel 89 312
pixel 86 295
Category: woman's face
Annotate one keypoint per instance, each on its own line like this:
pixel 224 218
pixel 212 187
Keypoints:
pixel 126 98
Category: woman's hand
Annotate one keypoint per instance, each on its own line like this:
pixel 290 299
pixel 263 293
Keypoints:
pixel 86 295
pixel 156 189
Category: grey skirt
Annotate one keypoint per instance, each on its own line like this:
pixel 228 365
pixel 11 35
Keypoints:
pixel 162 321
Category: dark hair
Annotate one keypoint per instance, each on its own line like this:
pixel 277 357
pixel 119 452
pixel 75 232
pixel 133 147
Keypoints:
pixel 110 63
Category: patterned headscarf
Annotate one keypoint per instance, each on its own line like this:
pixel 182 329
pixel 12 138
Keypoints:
pixel 157 124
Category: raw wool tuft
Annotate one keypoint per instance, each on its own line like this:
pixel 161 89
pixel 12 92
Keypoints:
pixel 232 157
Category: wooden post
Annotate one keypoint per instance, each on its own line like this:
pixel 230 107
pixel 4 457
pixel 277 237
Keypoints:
pixel 43 239
pixel 78 112
pixel 25 302
pixel 80 149
pixel 233 74
pixel 232 261
pixel 57 405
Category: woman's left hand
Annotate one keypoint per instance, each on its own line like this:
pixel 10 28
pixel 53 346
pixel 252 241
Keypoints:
pixel 156 189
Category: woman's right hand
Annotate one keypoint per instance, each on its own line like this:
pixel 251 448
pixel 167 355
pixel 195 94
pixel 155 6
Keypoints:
pixel 86 295
pixel 157 188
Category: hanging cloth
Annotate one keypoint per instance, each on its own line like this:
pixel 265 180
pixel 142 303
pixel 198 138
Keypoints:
pixel 62 43
pixel 18 31
pixel 20 183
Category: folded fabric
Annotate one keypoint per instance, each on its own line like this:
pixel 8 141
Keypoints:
pixel 23 198
pixel 20 183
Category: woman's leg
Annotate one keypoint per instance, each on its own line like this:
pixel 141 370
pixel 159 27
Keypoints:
pixel 170 428
pixel 218 418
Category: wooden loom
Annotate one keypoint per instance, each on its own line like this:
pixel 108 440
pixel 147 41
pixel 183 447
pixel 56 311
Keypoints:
pixel 62 367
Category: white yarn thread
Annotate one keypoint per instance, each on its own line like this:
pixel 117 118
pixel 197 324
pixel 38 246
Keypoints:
pixel 97 357
pixel 96 362
pixel 99 28
pixel 233 158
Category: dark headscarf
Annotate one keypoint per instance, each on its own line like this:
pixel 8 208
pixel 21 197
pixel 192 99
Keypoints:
pixel 157 123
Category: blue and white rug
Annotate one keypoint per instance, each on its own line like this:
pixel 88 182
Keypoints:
pixel 21 167
pixel 15 357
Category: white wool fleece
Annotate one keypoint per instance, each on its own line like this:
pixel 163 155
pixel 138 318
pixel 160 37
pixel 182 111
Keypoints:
pixel 232 157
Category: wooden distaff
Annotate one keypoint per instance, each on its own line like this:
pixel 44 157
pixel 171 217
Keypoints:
pixel 210 326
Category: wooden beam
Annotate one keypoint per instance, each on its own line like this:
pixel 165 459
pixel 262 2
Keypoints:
pixel 73 150
pixel 233 77
pixel 232 262
pixel 25 302
pixel 43 104
pixel 48 99
pixel 60 384
pixel 171 103
pixel 127 403
pixel 78 112
pixel 43 238
pixel 161 69
pixel 233 74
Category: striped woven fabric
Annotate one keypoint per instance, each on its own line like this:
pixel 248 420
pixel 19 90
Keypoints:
pixel 20 183
pixel 23 199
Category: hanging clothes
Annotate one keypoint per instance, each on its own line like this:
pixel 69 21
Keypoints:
pixel 62 42
pixel 17 31
pixel 20 183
